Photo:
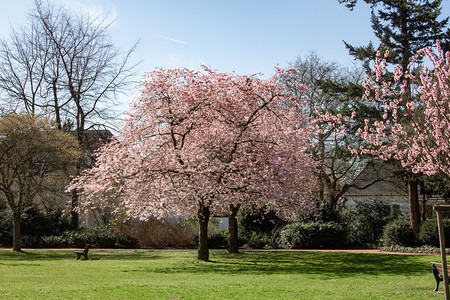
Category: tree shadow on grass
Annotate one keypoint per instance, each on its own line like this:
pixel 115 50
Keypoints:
pixel 57 255
pixel 328 265
pixel 124 255
pixel 322 264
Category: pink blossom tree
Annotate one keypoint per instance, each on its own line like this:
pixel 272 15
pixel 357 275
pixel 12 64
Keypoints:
pixel 422 143
pixel 202 142
pixel 415 127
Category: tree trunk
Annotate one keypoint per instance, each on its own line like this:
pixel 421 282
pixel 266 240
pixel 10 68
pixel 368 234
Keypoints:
pixel 414 208
pixel 55 100
pixel 17 238
pixel 424 202
pixel 82 140
pixel 203 219
pixel 233 243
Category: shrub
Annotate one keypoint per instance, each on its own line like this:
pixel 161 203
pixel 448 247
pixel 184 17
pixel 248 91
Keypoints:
pixel 398 233
pixel 6 238
pixel 258 221
pixel 421 249
pixel 101 237
pixel 5 225
pixel 126 241
pixel 261 241
pixel 218 240
pixel 365 224
pixel 54 241
pixel 31 241
pixel 259 228
pixel 312 235
pixel 429 232
pixel 35 224
pixel 321 210
pixel 38 223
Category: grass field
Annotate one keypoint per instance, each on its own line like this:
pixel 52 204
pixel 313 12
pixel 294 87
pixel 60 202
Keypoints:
pixel 177 274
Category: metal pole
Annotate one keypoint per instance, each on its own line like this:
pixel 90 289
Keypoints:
pixel 443 255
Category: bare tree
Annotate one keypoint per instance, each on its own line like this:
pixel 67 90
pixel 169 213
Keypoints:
pixel 65 66
pixel 332 87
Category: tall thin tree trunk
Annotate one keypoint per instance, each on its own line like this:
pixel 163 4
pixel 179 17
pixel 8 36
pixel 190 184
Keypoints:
pixel 233 243
pixel 203 219
pixel 82 140
pixel 57 112
pixel 424 201
pixel 17 238
pixel 414 207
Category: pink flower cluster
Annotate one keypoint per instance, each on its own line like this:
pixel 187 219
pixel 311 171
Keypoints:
pixel 415 128
pixel 203 139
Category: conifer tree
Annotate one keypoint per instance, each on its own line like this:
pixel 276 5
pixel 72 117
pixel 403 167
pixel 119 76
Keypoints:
pixel 402 27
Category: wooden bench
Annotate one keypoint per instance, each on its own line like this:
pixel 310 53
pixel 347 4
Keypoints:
pixel 83 252
pixel 438 273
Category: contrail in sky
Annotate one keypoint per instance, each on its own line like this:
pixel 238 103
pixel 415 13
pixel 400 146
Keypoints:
pixel 173 40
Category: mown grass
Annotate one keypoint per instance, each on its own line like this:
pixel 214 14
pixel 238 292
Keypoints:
pixel 177 274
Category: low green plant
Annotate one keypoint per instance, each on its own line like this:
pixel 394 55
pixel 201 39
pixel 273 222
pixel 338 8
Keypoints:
pixel 429 232
pixel 398 233
pixel 261 241
pixel 261 221
pixel 259 228
pixel 36 223
pixel 419 249
pixel 102 236
pixel 366 222
pixel 312 235
pixel 216 240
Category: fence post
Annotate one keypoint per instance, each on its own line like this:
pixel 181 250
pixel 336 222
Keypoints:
pixel 439 209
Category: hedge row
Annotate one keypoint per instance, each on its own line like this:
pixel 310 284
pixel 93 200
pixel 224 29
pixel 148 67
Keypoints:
pixel 399 233
pixel 99 237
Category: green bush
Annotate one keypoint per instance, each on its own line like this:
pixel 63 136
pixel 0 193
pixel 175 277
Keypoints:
pixel 366 222
pixel 54 241
pixel 101 237
pixel 259 228
pixel 35 224
pixel 420 249
pixel 398 233
pixel 321 210
pixel 38 223
pixel 259 221
pixel 260 241
pixel 126 241
pixel 312 235
pixel 5 225
pixel 216 240
pixel 429 232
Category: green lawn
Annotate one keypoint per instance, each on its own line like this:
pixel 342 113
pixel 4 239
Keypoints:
pixel 177 274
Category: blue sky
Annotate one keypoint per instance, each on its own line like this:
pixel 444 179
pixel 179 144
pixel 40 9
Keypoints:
pixel 245 36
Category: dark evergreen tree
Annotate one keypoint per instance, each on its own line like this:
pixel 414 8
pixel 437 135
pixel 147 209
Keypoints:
pixel 402 27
